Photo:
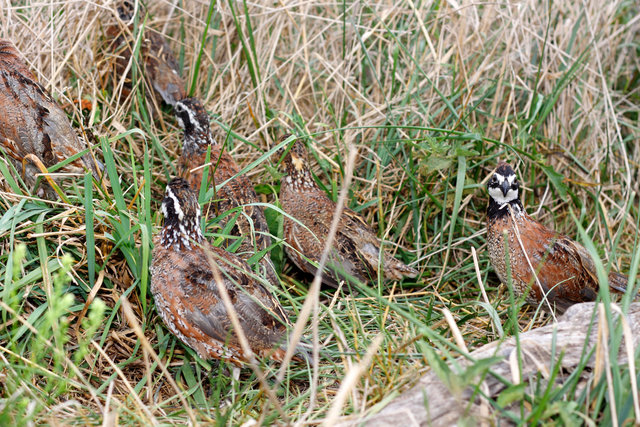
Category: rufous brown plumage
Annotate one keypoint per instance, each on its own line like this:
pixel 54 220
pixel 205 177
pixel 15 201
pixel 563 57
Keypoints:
pixel 564 271
pixel 187 293
pixel 156 62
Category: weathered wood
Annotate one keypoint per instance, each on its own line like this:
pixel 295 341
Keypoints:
pixel 430 402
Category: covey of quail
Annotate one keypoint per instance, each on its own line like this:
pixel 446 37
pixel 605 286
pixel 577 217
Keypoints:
pixel 234 196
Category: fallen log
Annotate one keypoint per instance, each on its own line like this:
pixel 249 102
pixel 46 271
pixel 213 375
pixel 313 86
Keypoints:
pixel 431 402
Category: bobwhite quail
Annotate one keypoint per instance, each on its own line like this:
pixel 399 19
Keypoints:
pixel 236 191
pixel 187 294
pixel 157 63
pixel 309 212
pixel 565 271
pixel 33 125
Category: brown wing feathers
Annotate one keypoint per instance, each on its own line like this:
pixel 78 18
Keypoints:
pixel 32 123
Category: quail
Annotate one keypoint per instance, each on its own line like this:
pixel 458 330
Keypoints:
pixel 236 190
pixel 158 65
pixel 565 271
pixel 187 294
pixel 309 212
pixel 32 124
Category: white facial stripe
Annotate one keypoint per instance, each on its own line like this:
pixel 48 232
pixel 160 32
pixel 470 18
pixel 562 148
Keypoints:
pixel 176 204
pixel 510 179
pixel 193 119
pixel 496 194
pixel 164 210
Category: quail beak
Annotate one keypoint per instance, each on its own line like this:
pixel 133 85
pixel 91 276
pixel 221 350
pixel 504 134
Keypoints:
pixel 505 187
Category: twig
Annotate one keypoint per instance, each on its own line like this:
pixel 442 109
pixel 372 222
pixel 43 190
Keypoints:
pixel 350 380
pixel 314 289
pixel 604 342
pixel 242 338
